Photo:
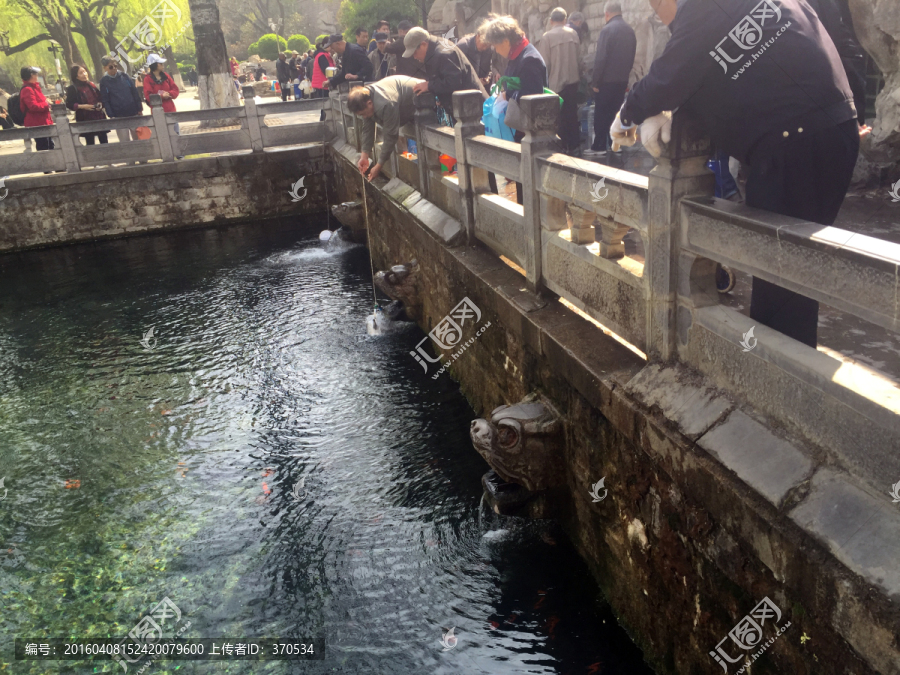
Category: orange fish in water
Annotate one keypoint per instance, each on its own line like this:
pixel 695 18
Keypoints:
pixel 268 472
pixel 551 624
pixel 72 484
pixel 595 667
pixel 165 412
pixel 266 489
pixel 495 624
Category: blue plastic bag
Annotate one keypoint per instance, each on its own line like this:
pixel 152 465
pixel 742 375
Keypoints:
pixel 493 114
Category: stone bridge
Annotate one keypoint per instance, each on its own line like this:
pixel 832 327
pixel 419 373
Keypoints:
pixel 735 474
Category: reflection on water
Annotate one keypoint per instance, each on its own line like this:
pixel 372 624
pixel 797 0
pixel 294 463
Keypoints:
pixel 262 462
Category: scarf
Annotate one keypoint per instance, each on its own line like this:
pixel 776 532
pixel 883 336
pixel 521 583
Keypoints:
pixel 514 54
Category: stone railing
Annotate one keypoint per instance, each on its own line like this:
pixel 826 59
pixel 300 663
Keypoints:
pixel 164 144
pixel 667 306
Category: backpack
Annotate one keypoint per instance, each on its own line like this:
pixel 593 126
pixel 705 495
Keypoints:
pixel 15 110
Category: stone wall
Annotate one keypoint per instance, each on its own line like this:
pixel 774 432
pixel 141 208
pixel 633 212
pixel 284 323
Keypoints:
pixel 65 208
pixel 682 548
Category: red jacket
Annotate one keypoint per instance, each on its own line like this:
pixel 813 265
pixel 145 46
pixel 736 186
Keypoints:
pixel 35 105
pixel 151 86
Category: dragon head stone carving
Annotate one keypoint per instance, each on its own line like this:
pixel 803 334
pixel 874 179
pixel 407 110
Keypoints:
pixel 401 283
pixel 523 443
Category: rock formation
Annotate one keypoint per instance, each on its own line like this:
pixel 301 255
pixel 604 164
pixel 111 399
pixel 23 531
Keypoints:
pixel 877 24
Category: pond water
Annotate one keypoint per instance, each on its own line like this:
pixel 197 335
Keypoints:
pixel 264 464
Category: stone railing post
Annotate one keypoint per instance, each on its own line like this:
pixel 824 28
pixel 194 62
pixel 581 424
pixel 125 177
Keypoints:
pixel 425 116
pixel 334 106
pixel 541 114
pixel 254 123
pixel 357 126
pixel 349 126
pixel 468 108
pixel 680 171
pixel 161 129
pixel 66 140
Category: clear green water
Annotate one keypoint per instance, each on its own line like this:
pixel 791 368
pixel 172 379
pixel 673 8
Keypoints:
pixel 180 463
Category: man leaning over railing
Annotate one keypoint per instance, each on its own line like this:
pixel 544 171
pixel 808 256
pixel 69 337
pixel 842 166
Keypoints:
pixel 390 102
pixel 776 97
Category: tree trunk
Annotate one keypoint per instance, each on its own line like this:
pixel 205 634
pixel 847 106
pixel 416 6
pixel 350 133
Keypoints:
pixel 173 67
pixel 217 88
pixel 94 41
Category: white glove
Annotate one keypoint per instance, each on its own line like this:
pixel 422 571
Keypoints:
pixel 621 134
pixel 655 129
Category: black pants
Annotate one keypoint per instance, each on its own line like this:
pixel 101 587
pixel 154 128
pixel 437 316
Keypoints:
pixel 89 138
pixel 43 144
pixel 607 102
pixel 805 175
pixel 568 131
pixel 285 90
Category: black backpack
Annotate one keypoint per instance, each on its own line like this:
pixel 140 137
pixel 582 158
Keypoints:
pixel 15 110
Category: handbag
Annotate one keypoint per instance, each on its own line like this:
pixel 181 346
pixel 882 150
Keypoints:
pixel 515 118
pixel 494 115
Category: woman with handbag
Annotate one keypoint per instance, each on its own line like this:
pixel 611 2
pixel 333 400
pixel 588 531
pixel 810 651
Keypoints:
pixel 84 98
pixel 525 64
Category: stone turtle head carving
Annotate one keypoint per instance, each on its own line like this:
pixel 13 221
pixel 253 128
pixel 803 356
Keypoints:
pixel 350 214
pixel 401 283
pixel 523 443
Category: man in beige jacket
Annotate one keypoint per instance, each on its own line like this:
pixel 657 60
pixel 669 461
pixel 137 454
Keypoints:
pixel 559 47
pixel 388 102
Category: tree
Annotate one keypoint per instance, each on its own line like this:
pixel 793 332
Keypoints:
pixel 254 49
pixel 217 88
pixel 269 48
pixel 298 43
pixel 366 13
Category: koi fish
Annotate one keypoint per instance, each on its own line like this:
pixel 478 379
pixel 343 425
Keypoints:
pixel 266 489
pixel 72 483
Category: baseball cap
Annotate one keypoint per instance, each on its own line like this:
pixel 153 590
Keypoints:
pixel 155 58
pixel 380 37
pixel 413 39
pixel 331 39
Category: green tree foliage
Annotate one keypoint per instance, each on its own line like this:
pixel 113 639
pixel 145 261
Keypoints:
pixel 269 48
pixel 321 37
pixel 253 49
pixel 366 13
pixel 298 43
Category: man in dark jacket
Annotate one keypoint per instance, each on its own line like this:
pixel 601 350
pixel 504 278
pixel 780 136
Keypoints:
pixel 613 62
pixel 283 73
pixel 479 53
pixel 446 68
pixel 355 64
pixel 120 97
pixel 771 91
pixel 405 66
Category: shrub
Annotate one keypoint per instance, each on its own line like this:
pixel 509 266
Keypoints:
pixel 269 48
pixel 253 49
pixel 321 37
pixel 298 43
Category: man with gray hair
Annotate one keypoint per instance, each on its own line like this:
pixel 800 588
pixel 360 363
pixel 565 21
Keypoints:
pixel 559 49
pixel 613 62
